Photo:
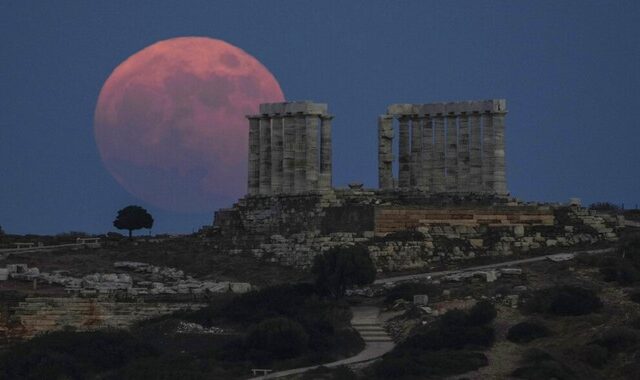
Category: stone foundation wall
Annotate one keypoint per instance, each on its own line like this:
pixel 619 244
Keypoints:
pixel 392 219
pixel 291 230
pixel 35 316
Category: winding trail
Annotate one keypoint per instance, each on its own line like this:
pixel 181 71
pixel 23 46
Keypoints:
pixel 366 320
pixel 490 266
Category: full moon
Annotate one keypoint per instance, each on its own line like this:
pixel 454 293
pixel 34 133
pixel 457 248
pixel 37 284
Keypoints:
pixel 170 122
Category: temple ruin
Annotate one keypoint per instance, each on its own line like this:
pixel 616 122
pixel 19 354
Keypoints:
pixel 284 140
pixel 447 200
pixel 444 147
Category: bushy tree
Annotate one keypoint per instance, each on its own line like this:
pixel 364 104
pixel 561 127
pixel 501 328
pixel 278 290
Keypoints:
pixel 525 332
pixel 342 267
pixel 133 218
pixel 276 338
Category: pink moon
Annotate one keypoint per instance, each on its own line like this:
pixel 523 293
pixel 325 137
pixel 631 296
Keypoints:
pixel 170 122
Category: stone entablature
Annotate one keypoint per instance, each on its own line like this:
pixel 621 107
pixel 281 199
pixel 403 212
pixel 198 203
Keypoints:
pixel 289 149
pixel 444 147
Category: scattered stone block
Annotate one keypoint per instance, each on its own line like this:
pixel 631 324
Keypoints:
pixel 420 299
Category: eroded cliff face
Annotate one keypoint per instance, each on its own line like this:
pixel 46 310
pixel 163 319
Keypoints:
pixel 37 315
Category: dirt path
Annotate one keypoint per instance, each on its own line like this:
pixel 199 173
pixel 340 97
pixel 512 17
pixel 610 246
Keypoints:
pixel 489 266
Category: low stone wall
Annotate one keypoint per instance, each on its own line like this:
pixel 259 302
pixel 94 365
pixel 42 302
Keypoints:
pixel 35 316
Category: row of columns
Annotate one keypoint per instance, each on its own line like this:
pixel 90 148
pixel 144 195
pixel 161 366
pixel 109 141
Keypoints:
pixel 452 147
pixel 289 149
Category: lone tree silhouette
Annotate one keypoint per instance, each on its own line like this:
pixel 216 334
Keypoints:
pixel 342 267
pixel 133 218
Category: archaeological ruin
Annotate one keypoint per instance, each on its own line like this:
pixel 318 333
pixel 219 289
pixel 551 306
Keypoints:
pixel 448 201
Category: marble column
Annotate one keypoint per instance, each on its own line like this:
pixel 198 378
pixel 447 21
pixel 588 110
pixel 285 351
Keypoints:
pixel 265 155
pixel 463 153
pixel 452 154
pixel 404 175
pixel 427 153
pixel 253 177
pixel 438 158
pixel 276 154
pixel 416 149
pixel 475 153
pixel 488 153
pixel 300 158
pixel 499 176
pixel 326 167
pixel 385 152
pixel 288 156
pixel 312 158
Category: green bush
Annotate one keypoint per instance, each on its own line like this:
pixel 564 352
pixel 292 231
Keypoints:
pixel 407 290
pixel 539 365
pixel 622 270
pixel 594 355
pixel 633 214
pixel 60 355
pixel 428 364
pixel 564 301
pixel 325 373
pixel 276 339
pixel 342 267
pixel 525 332
pixel 618 339
pixel 481 313
pixel 455 330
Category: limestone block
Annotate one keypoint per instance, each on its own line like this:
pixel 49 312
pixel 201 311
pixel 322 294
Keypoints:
pixel 400 109
pixel 240 287
pixel 511 271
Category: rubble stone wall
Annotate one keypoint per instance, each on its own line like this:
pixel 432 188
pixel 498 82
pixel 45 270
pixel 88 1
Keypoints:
pixel 291 230
pixel 39 315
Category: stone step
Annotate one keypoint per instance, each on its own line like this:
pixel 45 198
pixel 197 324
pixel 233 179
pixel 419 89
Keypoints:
pixel 374 336
pixel 369 329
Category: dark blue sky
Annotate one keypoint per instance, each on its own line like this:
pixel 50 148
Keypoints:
pixel 570 71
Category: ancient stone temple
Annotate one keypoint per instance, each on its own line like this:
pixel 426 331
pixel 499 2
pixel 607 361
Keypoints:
pixel 289 149
pixel 448 202
pixel 444 147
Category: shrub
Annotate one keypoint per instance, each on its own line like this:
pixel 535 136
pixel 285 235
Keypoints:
pixel 338 373
pixel 594 355
pixel 481 313
pixel 407 290
pixel 428 364
pixel 605 207
pixel 564 301
pixel 342 267
pixel 277 338
pixel 456 329
pixel 540 365
pixel 404 235
pixel 633 214
pixel 618 339
pixel 630 248
pixel 60 355
pixel 525 332
pixel 622 270
pixel 635 323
